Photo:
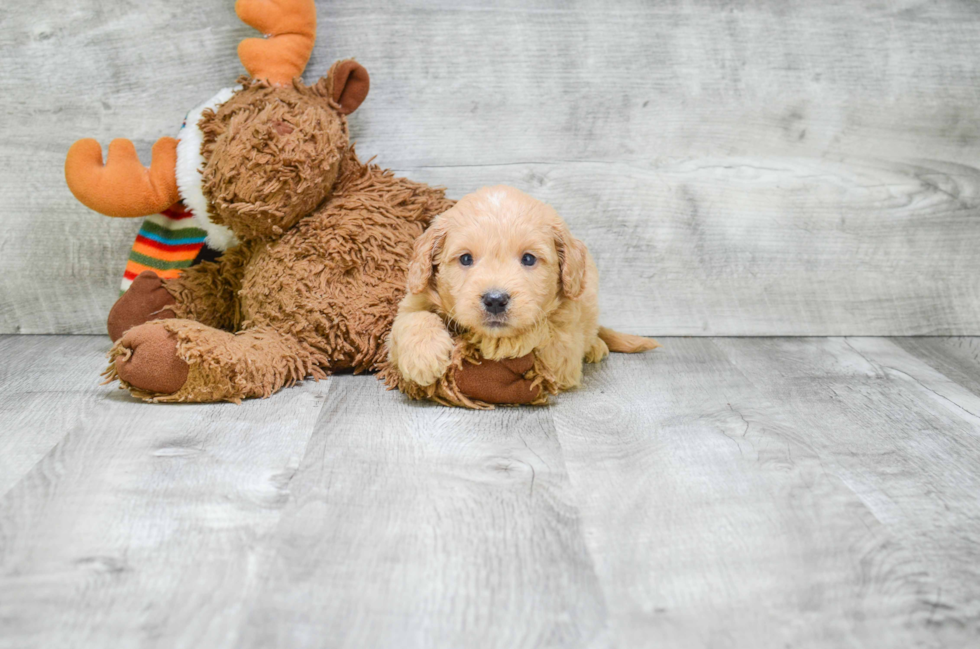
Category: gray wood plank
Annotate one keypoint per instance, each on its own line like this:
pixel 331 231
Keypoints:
pixel 726 492
pixel 141 527
pixel 905 438
pixel 738 168
pixel 414 525
pixel 44 382
pixel 956 358
pixel 918 470
pixel 777 492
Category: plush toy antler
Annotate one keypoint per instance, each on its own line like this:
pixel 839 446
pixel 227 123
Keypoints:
pixel 290 30
pixel 123 186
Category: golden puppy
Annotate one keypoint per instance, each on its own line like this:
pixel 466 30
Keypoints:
pixel 501 271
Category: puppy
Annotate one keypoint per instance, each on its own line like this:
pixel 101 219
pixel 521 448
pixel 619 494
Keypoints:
pixel 501 271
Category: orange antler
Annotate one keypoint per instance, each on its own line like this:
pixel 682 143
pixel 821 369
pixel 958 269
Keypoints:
pixel 123 186
pixel 290 30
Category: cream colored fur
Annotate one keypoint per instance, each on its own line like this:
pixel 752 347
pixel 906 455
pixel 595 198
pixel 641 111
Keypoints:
pixel 553 305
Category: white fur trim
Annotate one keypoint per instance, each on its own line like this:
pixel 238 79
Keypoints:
pixel 190 163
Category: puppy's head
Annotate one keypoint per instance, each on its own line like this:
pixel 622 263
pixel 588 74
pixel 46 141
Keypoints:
pixel 498 262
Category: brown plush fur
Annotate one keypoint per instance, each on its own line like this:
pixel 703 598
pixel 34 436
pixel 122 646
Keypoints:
pixel 260 186
pixel 315 283
pixel 148 300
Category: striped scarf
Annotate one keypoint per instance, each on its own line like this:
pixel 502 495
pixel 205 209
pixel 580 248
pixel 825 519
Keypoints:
pixel 171 241
pixel 166 244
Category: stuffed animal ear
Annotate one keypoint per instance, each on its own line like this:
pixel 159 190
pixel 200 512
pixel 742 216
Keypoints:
pixel 424 257
pixel 348 84
pixel 572 260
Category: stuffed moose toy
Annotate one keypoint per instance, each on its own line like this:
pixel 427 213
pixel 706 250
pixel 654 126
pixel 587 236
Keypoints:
pixel 315 244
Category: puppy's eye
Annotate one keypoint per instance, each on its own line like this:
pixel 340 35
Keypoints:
pixel 528 259
pixel 466 259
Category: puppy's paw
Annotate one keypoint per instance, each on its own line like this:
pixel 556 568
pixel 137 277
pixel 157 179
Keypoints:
pixel 427 363
pixel 598 351
pixel 423 350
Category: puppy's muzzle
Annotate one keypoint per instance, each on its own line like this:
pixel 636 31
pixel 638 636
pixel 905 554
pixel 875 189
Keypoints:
pixel 495 302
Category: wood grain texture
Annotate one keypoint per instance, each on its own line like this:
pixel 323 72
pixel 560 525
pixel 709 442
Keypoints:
pixel 779 492
pixel 737 168
pixel 404 525
pixel 718 492
pixel 44 383
pixel 955 358
pixel 414 525
pixel 140 526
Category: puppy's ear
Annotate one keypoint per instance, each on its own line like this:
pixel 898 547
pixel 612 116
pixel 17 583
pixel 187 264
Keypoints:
pixel 347 83
pixel 424 256
pixel 572 256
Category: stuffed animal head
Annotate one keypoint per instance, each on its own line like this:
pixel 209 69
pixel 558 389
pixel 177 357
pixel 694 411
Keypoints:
pixel 252 161
pixel 272 152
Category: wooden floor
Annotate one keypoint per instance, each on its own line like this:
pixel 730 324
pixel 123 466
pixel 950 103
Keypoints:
pixel 720 492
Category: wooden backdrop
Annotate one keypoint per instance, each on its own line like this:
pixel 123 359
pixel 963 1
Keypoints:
pixel 783 167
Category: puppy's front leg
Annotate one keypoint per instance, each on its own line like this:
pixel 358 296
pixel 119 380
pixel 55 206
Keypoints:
pixel 421 347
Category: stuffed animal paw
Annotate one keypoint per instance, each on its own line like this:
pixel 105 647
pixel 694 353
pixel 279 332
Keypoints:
pixel 499 382
pixel 145 359
pixel 145 300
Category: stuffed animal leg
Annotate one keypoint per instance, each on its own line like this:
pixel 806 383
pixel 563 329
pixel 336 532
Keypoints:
pixel 182 360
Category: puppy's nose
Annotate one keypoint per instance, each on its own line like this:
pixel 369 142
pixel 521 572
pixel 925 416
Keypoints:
pixel 495 302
